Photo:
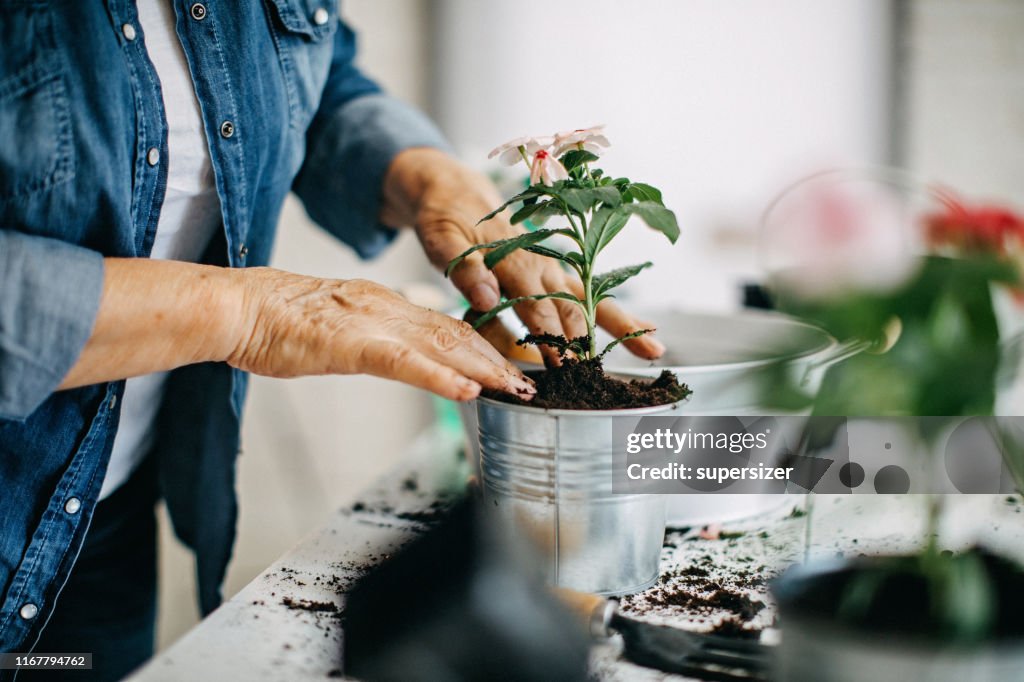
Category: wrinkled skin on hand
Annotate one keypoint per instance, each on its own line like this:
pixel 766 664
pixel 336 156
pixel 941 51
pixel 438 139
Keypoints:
pixel 297 326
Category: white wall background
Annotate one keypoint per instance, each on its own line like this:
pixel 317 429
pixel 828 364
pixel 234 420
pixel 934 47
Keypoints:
pixel 966 96
pixel 718 103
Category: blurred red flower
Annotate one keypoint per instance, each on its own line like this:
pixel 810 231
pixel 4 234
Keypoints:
pixel 975 229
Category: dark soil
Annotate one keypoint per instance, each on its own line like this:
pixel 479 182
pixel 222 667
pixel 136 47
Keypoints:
pixel 583 385
pixel 743 607
pixel 733 627
pixel 311 606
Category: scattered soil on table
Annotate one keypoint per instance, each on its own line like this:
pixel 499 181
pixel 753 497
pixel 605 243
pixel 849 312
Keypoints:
pixel 436 511
pixel 727 601
pixel 311 606
pixel 733 627
pixel 722 599
pixel 583 385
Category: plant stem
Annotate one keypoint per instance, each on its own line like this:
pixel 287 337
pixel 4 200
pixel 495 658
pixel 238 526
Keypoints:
pixel 522 153
pixel 589 309
pixel 809 516
pixel 934 501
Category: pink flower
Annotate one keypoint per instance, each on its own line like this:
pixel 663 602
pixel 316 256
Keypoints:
pixel 514 151
pixel 546 169
pixel 590 139
pixel 831 238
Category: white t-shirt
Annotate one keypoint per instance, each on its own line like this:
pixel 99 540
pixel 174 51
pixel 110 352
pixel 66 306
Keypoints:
pixel 188 219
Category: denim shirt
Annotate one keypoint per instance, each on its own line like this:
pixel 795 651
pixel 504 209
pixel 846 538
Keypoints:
pixel 83 150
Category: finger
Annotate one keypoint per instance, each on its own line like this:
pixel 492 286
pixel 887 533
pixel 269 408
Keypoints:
pixel 619 323
pixel 573 322
pixel 444 241
pixel 402 363
pixel 465 331
pixel 506 343
pixel 468 361
pixel 457 344
pixel 542 317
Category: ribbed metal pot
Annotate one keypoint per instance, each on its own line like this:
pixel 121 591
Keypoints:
pixel 548 473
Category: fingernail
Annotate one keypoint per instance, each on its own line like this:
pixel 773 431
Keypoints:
pixel 521 387
pixel 657 347
pixel 483 297
pixel 470 388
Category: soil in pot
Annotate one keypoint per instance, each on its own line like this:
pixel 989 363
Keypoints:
pixel 583 385
pixel 903 604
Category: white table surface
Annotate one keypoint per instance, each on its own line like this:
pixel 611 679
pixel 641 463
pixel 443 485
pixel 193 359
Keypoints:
pixel 256 636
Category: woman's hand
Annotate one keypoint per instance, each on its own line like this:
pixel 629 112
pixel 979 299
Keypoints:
pixel 444 200
pixel 157 315
pixel 297 326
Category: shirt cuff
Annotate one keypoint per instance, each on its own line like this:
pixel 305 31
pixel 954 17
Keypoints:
pixel 49 297
pixel 342 179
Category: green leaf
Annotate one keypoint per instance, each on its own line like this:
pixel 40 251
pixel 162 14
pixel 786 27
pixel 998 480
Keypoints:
pixel 625 337
pixel 583 199
pixel 531 211
pixel 533 238
pixel 572 258
pixel 606 223
pixel 493 312
pixel 963 597
pixel 609 280
pixel 499 252
pixel 577 157
pixel 531 192
pixel 639 191
pixel 656 216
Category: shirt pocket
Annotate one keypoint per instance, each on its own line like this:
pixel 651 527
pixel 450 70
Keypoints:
pixel 36 150
pixel 303 32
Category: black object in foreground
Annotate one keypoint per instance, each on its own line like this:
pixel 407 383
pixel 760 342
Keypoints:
pixel 463 602
pixel 706 657
pixel 696 654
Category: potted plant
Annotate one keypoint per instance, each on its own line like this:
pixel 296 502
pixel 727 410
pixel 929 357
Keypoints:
pixel 925 286
pixel 546 464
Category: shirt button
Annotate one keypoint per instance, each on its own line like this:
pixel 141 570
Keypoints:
pixel 198 11
pixel 227 129
pixel 29 611
pixel 153 156
pixel 72 505
pixel 243 251
pixel 320 17
pixel 113 402
pixel 128 31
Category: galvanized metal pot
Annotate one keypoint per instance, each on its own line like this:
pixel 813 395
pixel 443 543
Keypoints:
pixel 548 473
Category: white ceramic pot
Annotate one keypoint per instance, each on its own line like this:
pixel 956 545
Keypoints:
pixel 725 359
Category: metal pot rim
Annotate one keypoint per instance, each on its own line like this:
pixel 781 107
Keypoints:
pixel 828 345
pixel 562 412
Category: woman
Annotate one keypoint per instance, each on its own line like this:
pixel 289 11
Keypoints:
pixel 145 151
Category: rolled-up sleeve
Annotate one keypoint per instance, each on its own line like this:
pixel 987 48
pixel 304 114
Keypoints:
pixel 49 297
pixel 351 142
